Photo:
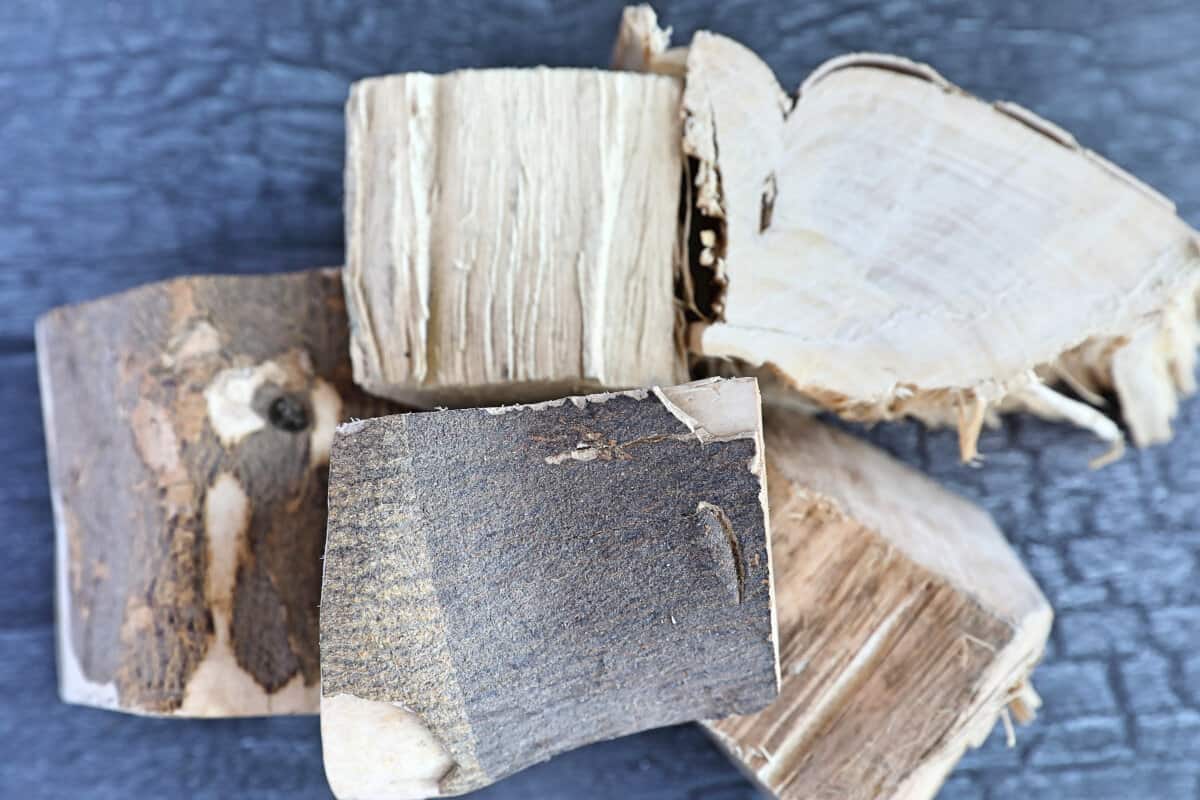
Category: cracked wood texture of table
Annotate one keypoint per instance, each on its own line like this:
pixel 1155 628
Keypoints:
pixel 142 139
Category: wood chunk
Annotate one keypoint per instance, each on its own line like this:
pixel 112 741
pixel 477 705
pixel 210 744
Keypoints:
pixel 906 623
pixel 188 426
pixel 949 257
pixel 508 583
pixel 512 234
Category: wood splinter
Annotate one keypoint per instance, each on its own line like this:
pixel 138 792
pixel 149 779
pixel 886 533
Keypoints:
pixel 188 426
pixel 907 625
pixel 504 584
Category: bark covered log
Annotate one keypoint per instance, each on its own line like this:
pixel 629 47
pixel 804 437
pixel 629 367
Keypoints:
pixel 188 427
pixel 505 584
pixel 511 234
pixel 906 623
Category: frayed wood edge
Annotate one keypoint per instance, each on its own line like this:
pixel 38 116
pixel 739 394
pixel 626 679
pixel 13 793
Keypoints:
pixel 1022 706
pixel 971 414
pixel 1155 367
pixel 1038 398
pixel 1024 703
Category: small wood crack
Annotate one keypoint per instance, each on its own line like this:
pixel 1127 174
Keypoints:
pixel 613 450
pixel 767 204
pixel 717 514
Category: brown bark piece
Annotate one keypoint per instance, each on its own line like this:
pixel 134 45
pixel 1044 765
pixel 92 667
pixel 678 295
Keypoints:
pixel 509 583
pixel 511 234
pixel 188 426
pixel 906 623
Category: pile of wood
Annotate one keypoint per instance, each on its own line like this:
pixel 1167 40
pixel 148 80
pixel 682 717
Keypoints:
pixel 628 549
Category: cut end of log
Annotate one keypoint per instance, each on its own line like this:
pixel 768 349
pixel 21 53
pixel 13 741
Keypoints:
pixel 376 750
pixel 1056 263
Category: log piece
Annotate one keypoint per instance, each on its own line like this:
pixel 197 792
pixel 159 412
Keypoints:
pixel 906 624
pixel 951 257
pixel 188 426
pixel 512 234
pixel 505 584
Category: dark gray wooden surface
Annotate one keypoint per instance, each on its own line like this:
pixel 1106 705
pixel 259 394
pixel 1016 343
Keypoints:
pixel 522 603
pixel 146 138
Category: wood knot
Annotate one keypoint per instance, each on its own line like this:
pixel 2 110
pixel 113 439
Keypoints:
pixel 288 414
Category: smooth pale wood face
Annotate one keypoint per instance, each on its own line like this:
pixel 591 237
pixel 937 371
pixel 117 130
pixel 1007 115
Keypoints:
pixel 906 624
pixel 894 246
pixel 376 749
pixel 514 582
pixel 188 429
pixel 512 234
pixel 934 241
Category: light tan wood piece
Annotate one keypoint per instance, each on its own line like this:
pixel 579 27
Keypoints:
pixel 906 624
pixel 894 246
pixel 512 234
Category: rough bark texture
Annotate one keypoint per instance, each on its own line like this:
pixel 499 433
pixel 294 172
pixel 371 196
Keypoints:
pixel 505 584
pixel 188 426
pixel 906 624
pixel 511 234
pixel 952 256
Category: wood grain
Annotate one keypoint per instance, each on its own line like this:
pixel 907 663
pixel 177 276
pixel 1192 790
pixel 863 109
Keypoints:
pixel 511 234
pixel 505 584
pixel 188 426
pixel 953 257
pixel 906 625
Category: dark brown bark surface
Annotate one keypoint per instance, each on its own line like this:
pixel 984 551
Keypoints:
pixel 152 397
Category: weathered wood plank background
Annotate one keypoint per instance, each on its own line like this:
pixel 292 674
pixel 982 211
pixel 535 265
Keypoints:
pixel 140 140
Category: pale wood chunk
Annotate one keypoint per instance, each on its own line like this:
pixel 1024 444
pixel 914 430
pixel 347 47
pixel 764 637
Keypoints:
pixel 512 234
pixel 893 246
pixel 188 426
pixel 505 584
pixel 906 623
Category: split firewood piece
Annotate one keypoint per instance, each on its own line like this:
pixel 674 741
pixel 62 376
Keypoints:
pixel 894 246
pixel 188 426
pixel 512 234
pixel 907 625
pixel 508 583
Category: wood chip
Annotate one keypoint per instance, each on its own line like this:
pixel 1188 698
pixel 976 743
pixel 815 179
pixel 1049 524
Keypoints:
pixel 188 427
pixel 894 246
pixel 907 624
